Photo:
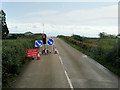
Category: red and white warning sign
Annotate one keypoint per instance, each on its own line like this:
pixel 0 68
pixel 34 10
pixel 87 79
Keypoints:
pixel 32 53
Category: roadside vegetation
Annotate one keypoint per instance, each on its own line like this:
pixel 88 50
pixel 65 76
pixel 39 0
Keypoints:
pixel 14 48
pixel 104 50
pixel 14 56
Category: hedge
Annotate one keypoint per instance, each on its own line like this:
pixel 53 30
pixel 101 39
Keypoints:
pixel 14 57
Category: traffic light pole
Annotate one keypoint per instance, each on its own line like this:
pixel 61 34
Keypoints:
pixel 44 46
pixel 47 48
pixel 43 28
pixel 43 39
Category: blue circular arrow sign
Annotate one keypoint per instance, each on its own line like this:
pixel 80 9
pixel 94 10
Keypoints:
pixel 50 41
pixel 38 43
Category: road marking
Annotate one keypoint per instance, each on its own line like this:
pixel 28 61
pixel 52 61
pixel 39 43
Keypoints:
pixel 85 56
pixel 68 79
pixel 98 65
pixel 60 60
pixel 71 86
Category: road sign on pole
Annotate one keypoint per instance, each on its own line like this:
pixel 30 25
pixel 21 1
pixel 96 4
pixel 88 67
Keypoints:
pixel 32 53
pixel 50 42
pixel 38 43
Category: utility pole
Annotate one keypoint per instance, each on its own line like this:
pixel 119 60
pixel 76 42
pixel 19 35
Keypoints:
pixel 43 28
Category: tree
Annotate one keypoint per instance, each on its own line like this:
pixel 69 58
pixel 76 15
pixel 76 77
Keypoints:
pixel 77 37
pixel 102 35
pixel 3 24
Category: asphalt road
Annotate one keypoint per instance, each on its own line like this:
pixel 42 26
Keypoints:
pixel 68 69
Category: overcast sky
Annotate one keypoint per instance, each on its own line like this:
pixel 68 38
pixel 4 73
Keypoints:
pixel 82 18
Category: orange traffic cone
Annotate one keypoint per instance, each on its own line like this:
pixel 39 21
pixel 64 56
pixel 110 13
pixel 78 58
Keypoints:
pixel 45 51
pixel 38 57
pixel 55 50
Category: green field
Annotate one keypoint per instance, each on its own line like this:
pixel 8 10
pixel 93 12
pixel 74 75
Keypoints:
pixel 103 42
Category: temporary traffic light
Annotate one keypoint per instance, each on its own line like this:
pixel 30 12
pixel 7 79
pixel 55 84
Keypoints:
pixel 44 39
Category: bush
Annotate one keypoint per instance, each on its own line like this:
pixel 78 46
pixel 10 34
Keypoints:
pixel 77 37
pixel 14 56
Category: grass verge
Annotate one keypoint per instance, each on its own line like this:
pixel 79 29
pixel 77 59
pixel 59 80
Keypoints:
pixel 98 58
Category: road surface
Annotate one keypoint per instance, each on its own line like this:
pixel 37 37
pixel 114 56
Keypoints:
pixel 68 69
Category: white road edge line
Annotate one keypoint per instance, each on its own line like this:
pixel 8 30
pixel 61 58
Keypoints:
pixel 71 86
pixel 100 66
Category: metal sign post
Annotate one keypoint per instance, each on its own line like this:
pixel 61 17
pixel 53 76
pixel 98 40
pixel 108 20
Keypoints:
pixel 50 42
pixel 38 43
pixel 53 48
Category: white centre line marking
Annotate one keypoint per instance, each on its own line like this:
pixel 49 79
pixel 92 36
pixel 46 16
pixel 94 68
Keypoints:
pixel 71 86
pixel 69 81
pixel 60 60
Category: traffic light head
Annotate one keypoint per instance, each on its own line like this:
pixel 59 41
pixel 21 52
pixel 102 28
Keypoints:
pixel 43 36
pixel 44 39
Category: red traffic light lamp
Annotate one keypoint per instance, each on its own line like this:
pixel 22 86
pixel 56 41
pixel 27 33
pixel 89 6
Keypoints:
pixel 43 36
